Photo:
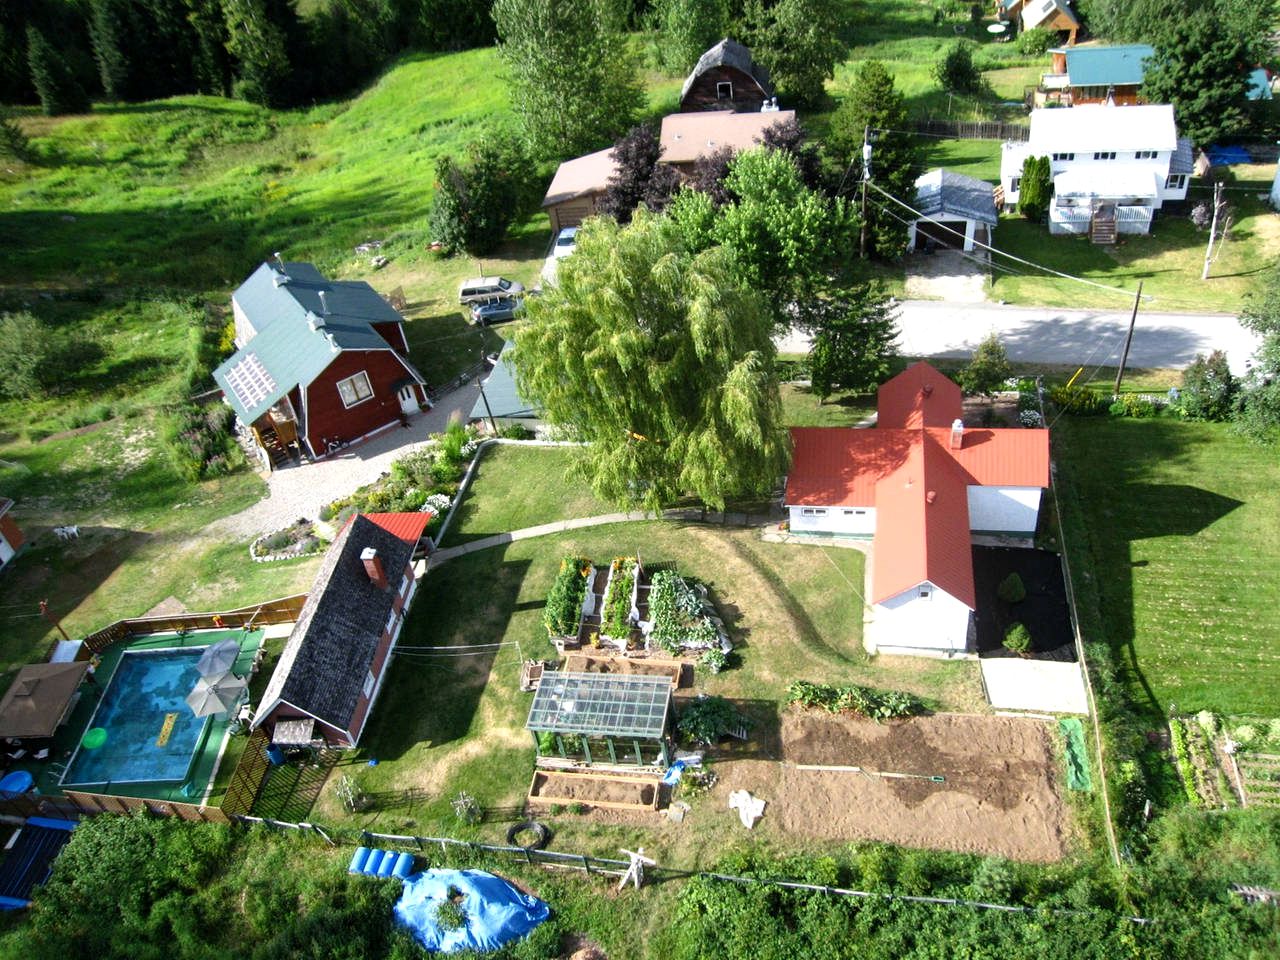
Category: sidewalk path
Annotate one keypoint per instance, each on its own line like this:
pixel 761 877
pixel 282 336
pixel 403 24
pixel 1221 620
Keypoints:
pixel 300 491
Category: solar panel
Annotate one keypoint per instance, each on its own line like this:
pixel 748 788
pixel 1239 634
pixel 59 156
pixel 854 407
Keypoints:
pixel 250 382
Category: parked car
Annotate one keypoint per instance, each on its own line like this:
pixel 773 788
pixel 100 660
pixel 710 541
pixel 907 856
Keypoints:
pixel 486 288
pixel 497 310
pixel 566 240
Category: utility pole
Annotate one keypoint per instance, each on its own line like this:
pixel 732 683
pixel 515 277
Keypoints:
pixel 1128 341
pixel 44 612
pixel 866 176
pixel 1213 228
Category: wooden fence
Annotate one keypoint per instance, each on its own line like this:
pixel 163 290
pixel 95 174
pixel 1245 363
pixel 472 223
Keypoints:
pixel 90 804
pixel 974 129
pixel 247 779
pixel 283 610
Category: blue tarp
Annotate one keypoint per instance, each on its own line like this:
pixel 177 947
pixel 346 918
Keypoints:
pixel 1220 156
pixel 496 912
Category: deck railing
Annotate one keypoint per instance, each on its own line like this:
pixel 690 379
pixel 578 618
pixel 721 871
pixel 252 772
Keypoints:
pixel 282 610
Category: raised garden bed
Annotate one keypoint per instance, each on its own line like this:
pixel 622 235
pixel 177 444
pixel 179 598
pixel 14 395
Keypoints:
pixel 677 670
pixel 299 539
pixel 682 618
pixel 607 791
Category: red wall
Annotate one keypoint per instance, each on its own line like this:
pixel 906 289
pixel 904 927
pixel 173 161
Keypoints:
pixel 11 533
pixel 327 417
pixel 393 333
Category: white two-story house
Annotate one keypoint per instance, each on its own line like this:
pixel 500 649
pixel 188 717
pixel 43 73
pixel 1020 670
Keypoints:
pixel 1112 167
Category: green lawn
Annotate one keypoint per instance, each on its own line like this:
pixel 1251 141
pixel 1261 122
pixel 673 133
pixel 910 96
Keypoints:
pixel 1176 532
pixel 800 408
pixel 973 158
pixel 516 487
pixel 445 724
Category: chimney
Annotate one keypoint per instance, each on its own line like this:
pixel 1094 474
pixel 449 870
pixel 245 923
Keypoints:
pixel 373 567
pixel 957 433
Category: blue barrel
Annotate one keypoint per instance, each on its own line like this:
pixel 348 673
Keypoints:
pixel 275 755
pixel 358 860
pixel 374 862
pixel 388 864
pixel 404 866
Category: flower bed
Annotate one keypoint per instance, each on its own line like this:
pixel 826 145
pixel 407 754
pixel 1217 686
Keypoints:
pixel 619 599
pixel 563 611
pixel 299 539
pixel 678 617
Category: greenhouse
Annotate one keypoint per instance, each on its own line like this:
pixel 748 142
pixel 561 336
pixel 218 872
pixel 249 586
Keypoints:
pixel 601 718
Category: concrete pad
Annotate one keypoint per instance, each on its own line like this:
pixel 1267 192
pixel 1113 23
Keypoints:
pixel 1041 685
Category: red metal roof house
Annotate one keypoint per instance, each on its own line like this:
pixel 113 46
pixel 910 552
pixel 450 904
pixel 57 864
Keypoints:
pixel 920 485
pixel 318 361
pixel 11 537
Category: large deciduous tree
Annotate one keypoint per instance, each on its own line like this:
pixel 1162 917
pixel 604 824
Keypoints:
pixel 686 28
pixel 573 82
pixel 638 178
pixel 798 42
pixel 476 201
pixel 661 360
pixel 873 107
pixel 853 332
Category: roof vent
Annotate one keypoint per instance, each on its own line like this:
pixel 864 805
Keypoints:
pixel 315 322
pixel 282 277
pixel 931 496
pixel 324 304
pixel 957 433
pixel 333 343
pixel 927 389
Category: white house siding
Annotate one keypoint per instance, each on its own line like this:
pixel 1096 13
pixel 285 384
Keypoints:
pixel 910 623
pixel 840 521
pixel 1004 509
pixel 1014 154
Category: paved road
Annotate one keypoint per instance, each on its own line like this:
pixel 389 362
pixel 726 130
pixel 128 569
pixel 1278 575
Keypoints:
pixel 1054 335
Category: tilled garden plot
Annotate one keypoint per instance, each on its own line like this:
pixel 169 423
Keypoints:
pixel 999 792
pixel 594 790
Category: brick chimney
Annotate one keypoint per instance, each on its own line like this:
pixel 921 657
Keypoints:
pixel 373 567
pixel 957 433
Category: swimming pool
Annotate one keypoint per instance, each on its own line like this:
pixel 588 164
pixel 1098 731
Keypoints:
pixel 152 735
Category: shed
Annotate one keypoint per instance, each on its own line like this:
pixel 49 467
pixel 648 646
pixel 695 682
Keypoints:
pixel 505 405
pixel 958 211
pixel 604 717
pixel 39 699
pixel 726 77
pixel 11 537
pixel 577 188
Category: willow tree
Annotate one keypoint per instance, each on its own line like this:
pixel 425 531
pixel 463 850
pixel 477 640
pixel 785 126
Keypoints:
pixel 661 361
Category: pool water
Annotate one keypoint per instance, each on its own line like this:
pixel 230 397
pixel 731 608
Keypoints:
pixel 146 688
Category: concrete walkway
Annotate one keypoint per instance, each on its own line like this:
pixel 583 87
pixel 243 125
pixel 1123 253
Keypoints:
pixel 301 490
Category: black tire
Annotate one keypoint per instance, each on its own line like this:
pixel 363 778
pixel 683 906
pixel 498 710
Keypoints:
pixel 541 835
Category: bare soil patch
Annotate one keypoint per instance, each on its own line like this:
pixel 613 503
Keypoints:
pixel 999 795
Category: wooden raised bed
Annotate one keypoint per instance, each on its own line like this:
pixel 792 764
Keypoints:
pixel 637 666
pixel 607 791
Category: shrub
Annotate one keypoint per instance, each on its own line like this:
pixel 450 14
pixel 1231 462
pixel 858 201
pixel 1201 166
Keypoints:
pixel 1133 405
pixel 563 610
pixel 1079 401
pixel 1017 638
pixel 1036 189
pixel 1208 721
pixel 708 719
pixel 1034 42
pixel 1012 589
pixel 713 660
pixel 14 144
pixel 1273 729
pixel 871 703
pixel 1208 388
pixel 956 70
pixel 477 200
pixel 1244 734
pixel 988 369
pixel 1030 418
pixel 515 431
pixel 449 914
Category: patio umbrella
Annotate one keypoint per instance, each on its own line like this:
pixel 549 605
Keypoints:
pixel 215 695
pixel 219 658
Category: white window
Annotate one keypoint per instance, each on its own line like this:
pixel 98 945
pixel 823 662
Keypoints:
pixel 1064 156
pixel 369 681
pixel 1145 155
pixel 1176 181
pixel 1015 184
pixel 1105 155
pixel 813 512
pixel 391 622
pixel 926 593
pixel 860 513
pixel 724 90
pixel 355 389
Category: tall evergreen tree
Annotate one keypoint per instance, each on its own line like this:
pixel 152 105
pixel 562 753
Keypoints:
pixel 854 331
pixel 113 26
pixel 211 64
pixel 258 43
pixel 573 82
pixel 52 77
pixel 872 106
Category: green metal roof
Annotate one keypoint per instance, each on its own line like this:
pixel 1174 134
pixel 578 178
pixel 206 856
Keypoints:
pixel 601 705
pixel 299 332
pixel 1107 66
pixel 500 389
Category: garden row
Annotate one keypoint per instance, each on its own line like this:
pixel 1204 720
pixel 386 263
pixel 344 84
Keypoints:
pixel 1226 762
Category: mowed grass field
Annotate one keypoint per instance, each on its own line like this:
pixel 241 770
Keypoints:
pixel 1173 527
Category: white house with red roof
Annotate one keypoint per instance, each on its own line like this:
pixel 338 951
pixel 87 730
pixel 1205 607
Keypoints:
pixel 920 485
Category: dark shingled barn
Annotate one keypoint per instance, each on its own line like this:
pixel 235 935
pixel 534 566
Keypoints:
pixel 335 660
pixel 726 78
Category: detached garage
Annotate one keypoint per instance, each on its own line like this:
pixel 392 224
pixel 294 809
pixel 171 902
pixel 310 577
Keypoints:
pixel 958 210
pixel 577 187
